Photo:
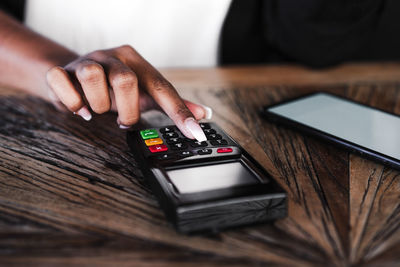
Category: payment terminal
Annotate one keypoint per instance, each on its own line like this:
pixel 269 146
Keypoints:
pixel 206 186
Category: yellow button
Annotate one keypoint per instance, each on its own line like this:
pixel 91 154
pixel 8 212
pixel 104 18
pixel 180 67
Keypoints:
pixel 153 141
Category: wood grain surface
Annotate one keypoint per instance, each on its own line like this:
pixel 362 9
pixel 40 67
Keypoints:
pixel 71 193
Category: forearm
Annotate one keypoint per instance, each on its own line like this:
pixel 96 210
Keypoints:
pixel 26 56
pixel 39 66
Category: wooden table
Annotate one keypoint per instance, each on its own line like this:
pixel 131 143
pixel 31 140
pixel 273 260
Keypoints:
pixel 71 193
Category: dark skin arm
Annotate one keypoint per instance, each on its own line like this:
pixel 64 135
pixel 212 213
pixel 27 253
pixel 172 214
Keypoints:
pixel 114 79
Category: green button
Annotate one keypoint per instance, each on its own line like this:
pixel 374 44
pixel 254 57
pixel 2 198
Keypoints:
pixel 149 133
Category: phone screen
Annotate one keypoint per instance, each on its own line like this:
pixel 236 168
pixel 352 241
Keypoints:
pixel 361 125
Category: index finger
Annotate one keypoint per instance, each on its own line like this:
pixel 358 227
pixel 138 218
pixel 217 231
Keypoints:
pixel 162 91
pixel 169 100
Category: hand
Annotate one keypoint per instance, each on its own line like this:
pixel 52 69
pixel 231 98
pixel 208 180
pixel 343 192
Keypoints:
pixel 121 80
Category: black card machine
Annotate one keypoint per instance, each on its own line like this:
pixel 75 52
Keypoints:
pixel 206 186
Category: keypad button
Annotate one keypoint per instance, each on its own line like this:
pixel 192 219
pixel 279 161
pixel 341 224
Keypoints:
pixel 186 153
pixel 204 151
pixel 219 142
pixel 166 157
pixel 149 134
pixel 179 146
pixel 198 144
pixel 209 131
pixel 224 150
pixel 153 141
pixel 170 135
pixel 174 140
pixel 213 136
pixel 158 148
pixel 167 129
pixel 178 131
pixel 205 126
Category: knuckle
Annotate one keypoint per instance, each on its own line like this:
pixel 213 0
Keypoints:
pixel 125 52
pixel 101 107
pixel 126 49
pixel 124 80
pixel 183 111
pixel 53 73
pixel 74 104
pixel 130 120
pixel 160 84
pixel 90 72
pixel 98 54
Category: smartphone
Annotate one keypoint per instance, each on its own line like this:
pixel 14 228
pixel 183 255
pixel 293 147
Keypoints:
pixel 206 186
pixel 368 131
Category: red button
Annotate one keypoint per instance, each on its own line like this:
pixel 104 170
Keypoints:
pixel 224 150
pixel 158 148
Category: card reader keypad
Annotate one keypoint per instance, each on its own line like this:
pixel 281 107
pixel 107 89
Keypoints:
pixel 168 143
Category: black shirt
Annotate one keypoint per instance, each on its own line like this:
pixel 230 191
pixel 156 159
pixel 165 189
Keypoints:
pixel 311 32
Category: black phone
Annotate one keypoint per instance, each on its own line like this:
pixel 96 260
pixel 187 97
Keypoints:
pixel 206 186
pixel 362 129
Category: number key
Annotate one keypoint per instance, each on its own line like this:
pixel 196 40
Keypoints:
pixel 204 151
pixel 209 131
pixel 205 126
pixel 167 129
pixel 213 136
pixel 170 135
pixel 186 153
pixel 220 142
pixel 179 146
pixel 174 140
pixel 198 144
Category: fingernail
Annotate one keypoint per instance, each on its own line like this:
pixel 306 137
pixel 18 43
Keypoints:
pixel 121 126
pixel 208 111
pixel 124 127
pixel 84 113
pixel 194 128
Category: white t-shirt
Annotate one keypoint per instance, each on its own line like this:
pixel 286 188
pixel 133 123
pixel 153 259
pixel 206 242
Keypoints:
pixel 168 33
